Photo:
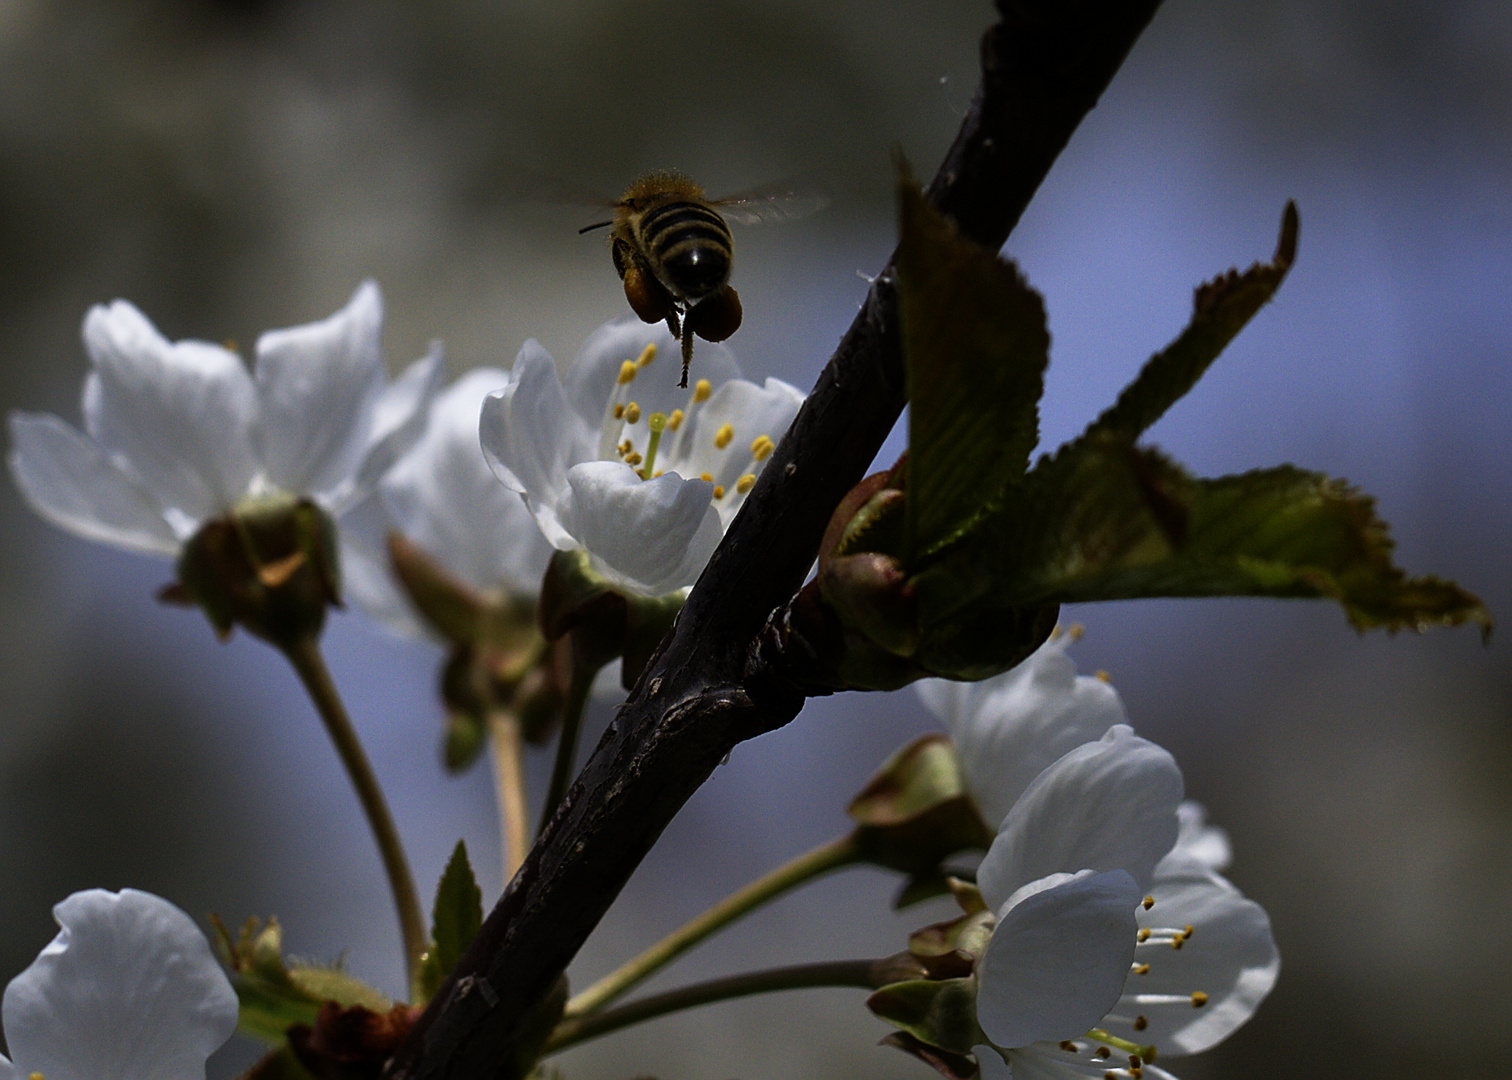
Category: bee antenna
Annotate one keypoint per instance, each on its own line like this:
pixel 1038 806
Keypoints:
pixel 595 225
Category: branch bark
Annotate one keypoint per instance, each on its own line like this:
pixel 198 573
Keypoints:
pixel 1044 65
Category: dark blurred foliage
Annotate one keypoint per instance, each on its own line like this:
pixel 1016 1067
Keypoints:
pixel 242 164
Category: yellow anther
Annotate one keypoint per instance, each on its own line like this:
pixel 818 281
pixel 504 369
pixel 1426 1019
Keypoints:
pixel 1178 941
pixel 1104 1053
pixel 632 413
pixel 702 390
pixel 38 1076
pixel 1102 676
pixel 632 458
pixel 647 355
pixel 719 491
pixel 619 412
pixel 1109 1076
pixel 1149 902
pixel 1140 1023
pixel 1143 935
pixel 762 447
pixel 627 372
pixel 1076 631
pixel 1188 930
pixel 1141 969
pixel 1199 999
pixel 1068 1046
pixel 1135 1061
pixel 724 436
pixel 745 483
pixel 625 447
pixel 675 420
pixel 230 346
pixel 706 476
pixel 658 472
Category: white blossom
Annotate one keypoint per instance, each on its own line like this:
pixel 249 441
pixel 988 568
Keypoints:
pixel 181 432
pixel 127 990
pixel 443 497
pixel 581 452
pixel 1012 726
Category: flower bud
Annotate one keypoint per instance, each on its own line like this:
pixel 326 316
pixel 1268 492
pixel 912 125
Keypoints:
pixel 872 620
pixel 269 566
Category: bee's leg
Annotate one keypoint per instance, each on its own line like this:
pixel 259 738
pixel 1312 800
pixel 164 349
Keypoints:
pixel 673 326
pixel 687 344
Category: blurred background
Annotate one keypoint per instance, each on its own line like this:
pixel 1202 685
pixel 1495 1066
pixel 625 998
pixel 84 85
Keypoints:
pixel 239 165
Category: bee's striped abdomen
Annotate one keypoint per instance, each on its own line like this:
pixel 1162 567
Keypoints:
pixel 689 246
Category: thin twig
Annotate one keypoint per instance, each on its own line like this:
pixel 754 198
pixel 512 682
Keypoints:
pixel 310 665
pixel 863 974
pixel 806 867
pixel 507 745
pixel 579 686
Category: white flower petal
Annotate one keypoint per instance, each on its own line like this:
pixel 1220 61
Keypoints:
pixel 367 579
pixel 399 419
pixel 67 478
pixel 1010 727
pixel 751 411
pixel 318 386
pixel 443 496
pixel 179 414
pixel 127 990
pixel 531 436
pixel 1207 845
pixel 1108 805
pixel 1230 956
pixel 648 536
pixel 591 378
pixel 1057 959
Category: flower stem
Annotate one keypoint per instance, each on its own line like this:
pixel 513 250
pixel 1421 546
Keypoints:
pixel 508 744
pixel 304 654
pixel 863 974
pixel 822 859
pixel 578 686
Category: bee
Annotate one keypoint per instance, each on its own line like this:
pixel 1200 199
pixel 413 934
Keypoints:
pixel 673 251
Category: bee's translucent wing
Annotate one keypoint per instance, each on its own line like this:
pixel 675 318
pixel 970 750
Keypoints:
pixel 781 200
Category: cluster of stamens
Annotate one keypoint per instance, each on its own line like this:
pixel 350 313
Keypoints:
pixel 1102 1045
pixel 1100 1048
pixel 623 412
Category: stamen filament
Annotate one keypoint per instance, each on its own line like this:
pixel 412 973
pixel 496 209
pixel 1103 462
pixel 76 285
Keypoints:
pixel 1146 1053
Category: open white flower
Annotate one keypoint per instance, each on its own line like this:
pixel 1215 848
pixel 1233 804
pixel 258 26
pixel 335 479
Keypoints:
pixel 127 990
pixel 1204 960
pixel 621 463
pixel 1012 726
pixel 1073 858
pixel 444 498
pixel 181 432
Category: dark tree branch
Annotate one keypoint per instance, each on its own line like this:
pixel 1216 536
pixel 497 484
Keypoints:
pixel 1044 65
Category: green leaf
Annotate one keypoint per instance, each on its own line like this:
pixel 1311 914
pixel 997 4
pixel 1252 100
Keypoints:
pixel 455 919
pixel 1104 520
pixel 1220 309
pixel 975 345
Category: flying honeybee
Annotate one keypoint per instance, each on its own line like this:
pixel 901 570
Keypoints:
pixel 673 250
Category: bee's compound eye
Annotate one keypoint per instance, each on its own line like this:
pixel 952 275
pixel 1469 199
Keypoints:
pixel 648 298
pixel 716 317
